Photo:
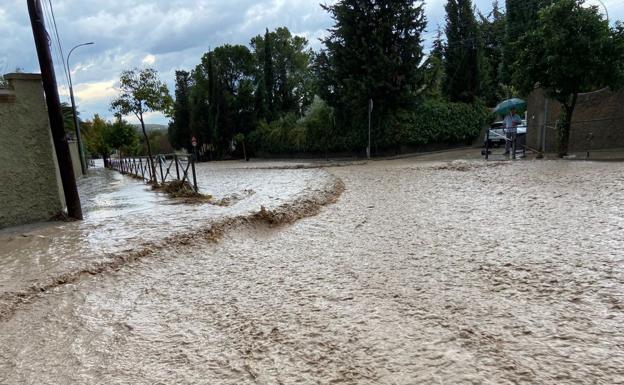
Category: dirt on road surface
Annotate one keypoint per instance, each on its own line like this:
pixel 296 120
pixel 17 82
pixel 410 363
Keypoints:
pixel 436 272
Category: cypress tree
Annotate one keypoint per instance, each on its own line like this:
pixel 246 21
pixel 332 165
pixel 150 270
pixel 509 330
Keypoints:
pixel 180 127
pixel 269 79
pixel 213 103
pixel 434 75
pixel 461 53
pixel 492 32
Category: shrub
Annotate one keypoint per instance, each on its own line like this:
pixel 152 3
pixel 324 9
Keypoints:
pixel 432 122
pixel 441 122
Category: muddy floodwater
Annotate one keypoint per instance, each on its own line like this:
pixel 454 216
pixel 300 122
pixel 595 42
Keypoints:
pixel 440 272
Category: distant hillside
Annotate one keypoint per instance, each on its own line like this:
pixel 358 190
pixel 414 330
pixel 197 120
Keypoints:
pixel 152 127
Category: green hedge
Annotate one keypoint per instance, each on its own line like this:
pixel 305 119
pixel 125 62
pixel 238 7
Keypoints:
pixel 432 122
pixel 441 122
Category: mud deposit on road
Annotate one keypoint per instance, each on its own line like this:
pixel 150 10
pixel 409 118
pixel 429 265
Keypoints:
pixel 440 273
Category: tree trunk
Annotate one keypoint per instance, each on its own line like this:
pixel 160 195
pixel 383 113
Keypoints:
pixel 565 126
pixel 149 151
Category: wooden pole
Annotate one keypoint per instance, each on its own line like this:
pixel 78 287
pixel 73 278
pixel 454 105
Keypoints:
pixel 68 179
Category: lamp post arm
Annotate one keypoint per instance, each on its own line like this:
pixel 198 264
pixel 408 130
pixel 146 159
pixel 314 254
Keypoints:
pixel 83 162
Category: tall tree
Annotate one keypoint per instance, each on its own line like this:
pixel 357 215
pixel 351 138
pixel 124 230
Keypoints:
pixel 268 77
pixel 180 127
pixel 230 70
pixel 571 50
pixel 323 77
pixel 142 91
pixel 203 105
pixel 434 67
pixel 285 78
pixel 492 32
pixel 521 17
pixel 375 52
pixel 462 52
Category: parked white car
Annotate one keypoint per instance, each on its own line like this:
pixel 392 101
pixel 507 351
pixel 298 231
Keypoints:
pixel 497 133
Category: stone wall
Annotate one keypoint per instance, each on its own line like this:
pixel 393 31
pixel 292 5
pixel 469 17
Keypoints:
pixel 597 123
pixel 29 187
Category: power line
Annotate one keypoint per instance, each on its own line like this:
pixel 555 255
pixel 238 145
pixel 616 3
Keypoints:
pixel 51 19
pixel 48 23
pixel 58 40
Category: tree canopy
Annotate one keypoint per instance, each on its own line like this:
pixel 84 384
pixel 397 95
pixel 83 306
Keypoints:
pixel 180 133
pixel 571 50
pixel 282 97
pixel 142 91
pixel 462 52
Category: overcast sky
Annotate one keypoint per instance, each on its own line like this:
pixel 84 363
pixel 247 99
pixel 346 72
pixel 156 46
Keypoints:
pixel 165 34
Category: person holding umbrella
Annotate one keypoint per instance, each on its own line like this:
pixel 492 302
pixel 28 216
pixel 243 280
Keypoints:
pixel 512 120
pixel 508 108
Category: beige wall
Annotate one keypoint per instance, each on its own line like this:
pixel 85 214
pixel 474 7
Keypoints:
pixel 29 187
pixel 597 123
pixel 75 157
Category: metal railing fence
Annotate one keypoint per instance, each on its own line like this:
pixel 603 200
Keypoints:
pixel 167 168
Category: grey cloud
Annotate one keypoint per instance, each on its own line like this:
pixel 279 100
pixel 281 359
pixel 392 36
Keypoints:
pixel 176 32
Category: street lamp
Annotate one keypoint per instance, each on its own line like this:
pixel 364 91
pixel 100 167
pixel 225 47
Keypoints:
pixel 83 163
pixel 605 8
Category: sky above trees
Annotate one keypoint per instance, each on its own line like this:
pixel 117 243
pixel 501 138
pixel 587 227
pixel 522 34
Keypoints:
pixel 167 35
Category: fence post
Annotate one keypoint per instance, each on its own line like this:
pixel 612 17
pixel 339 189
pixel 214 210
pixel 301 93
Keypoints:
pixel 487 144
pixel 149 168
pixel 162 175
pixel 175 159
pixel 194 175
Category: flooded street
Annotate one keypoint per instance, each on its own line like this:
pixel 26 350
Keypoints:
pixel 423 271
pixel 123 215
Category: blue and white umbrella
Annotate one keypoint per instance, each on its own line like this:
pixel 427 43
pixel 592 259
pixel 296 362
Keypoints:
pixel 507 105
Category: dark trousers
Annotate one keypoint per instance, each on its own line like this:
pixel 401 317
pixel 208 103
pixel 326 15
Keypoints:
pixel 511 139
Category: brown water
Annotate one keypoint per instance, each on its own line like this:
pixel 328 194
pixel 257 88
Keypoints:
pixel 123 215
pixel 422 272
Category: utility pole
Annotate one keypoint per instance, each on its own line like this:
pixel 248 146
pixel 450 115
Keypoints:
pixel 68 179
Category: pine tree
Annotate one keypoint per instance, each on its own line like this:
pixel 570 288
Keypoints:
pixel 461 53
pixel 180 127
pixel 375 52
